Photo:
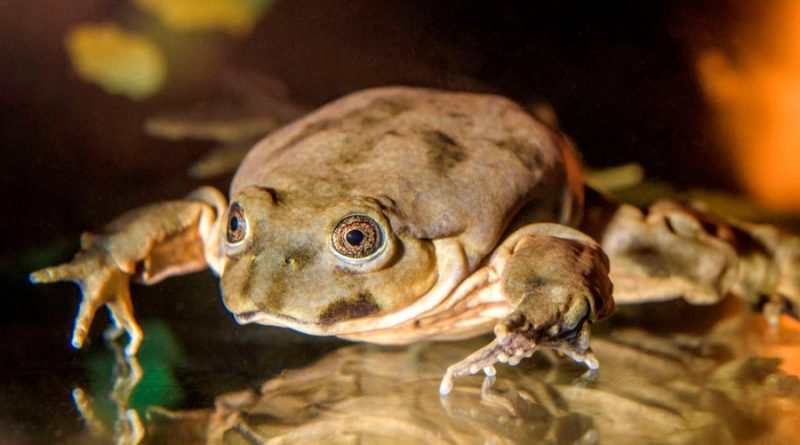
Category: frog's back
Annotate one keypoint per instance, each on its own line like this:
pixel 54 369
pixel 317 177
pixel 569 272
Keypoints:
pixel 444 164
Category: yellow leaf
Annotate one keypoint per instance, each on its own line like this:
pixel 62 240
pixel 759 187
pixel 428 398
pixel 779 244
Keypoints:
pixel 119 61
pixel 236 17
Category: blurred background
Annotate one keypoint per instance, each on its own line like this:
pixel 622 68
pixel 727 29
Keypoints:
pixel 703 94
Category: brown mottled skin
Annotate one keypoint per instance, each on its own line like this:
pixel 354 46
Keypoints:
pixel 480 209
pixel 426 162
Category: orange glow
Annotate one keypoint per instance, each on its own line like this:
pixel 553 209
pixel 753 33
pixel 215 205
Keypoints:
pixel 785 345
pixel 756 102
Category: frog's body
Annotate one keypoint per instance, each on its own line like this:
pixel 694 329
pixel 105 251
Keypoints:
pixel 401 214
pixel 427 162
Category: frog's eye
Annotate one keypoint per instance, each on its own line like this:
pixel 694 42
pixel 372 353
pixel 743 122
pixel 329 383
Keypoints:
pixel 237 224
pixel 357 237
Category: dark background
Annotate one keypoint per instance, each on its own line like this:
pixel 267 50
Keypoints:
pixel 619 74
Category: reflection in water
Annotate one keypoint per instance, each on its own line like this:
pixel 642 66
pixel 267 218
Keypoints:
pixel 128 428
pixel 665 388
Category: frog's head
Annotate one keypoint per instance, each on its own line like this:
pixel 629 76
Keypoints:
pixel 318 265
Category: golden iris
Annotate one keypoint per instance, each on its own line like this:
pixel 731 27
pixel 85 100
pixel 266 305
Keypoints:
pixel 357 236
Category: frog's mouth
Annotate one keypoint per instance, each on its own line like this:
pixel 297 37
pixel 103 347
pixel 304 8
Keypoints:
pixel 452 269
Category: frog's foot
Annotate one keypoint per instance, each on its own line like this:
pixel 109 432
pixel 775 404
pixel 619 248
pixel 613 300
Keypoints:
pixel 557 279
pixel 102 283
pixel 147 244
pixel 507 347
pixel 517 339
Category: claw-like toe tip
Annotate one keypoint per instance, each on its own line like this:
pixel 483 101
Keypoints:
pixel 446 386
pixel 78 336
pixel 39 276
pixel 591 362
pixel 772 311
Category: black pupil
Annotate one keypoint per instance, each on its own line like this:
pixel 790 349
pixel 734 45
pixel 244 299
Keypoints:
pixel 354 237
pixel 234 223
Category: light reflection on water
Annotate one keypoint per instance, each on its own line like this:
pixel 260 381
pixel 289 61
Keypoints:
pixel 674 387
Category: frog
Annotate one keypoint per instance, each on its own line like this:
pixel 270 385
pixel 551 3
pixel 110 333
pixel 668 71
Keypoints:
pixel 395 215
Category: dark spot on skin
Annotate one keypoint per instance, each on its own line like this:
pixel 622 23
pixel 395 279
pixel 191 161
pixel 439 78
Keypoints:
pixel 279 284
pixel 310 129
pixel 535 283
pixel 653 262
pixel 356 149
pixel 443 151
pixel 376 112
pixel 343 310
pixel 526 152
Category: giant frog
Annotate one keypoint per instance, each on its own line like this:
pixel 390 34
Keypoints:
pixel 398 214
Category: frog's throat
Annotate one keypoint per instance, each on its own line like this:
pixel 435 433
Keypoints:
pixel 451 267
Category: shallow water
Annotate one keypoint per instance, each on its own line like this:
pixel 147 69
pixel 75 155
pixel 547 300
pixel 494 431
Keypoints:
pixel 667 388
pixel 669 373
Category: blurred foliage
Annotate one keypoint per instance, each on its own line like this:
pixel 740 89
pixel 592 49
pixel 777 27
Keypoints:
pixel 119 61
pixel 131 63
pixel 615 178
pixel 235 17
pixel 628 183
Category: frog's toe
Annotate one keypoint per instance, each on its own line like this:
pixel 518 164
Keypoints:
pixel 575 345
pixel 518 339
pixel 83 320
pixel 509 346
pixel 62 272
pixel 122 316
pixel 101 283
pixel 775 305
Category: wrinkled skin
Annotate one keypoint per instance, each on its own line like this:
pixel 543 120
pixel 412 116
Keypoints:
pixel 473 216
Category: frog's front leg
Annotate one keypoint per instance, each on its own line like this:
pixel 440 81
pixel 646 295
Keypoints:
pixel 557 279
pixel 147 244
